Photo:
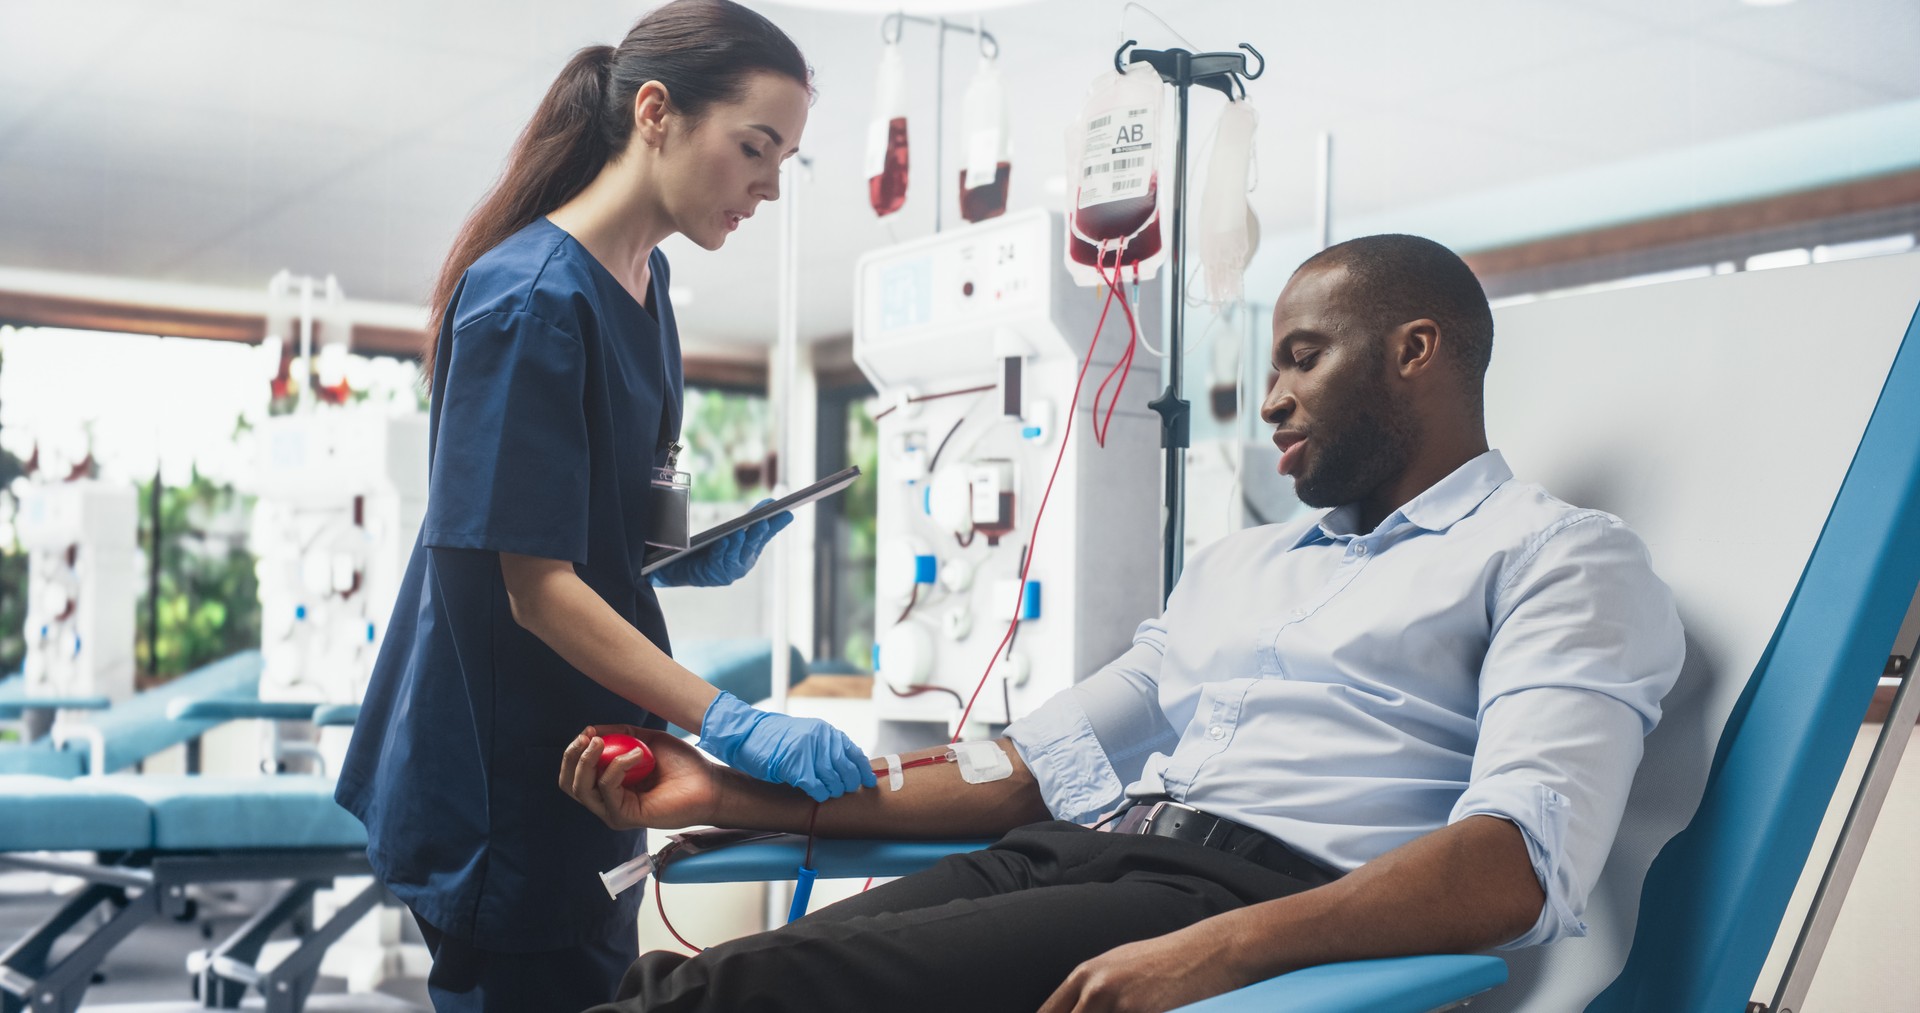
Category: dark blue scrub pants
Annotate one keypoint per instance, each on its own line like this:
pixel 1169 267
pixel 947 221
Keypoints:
pixel 466 979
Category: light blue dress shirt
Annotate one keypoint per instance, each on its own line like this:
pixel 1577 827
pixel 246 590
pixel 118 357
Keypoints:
pixel 1487 649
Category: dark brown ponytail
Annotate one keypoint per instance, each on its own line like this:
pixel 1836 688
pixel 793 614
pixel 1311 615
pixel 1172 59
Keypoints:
pixel 701 50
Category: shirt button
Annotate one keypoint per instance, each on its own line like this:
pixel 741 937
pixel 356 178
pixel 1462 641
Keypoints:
pixel 1217 732
pixel 1298 614
pixel 1359 550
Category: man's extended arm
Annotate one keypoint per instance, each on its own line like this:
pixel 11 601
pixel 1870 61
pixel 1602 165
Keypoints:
pixel 689 790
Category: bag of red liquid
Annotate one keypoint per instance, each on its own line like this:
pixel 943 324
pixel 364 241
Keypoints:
pixel 1113 216
pixel 887 135
pixel 983 182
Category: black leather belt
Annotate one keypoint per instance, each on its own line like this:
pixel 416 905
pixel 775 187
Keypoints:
pixel 1163 817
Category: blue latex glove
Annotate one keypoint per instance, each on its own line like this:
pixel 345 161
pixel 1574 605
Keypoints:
pixel 807 753
pixel 726 560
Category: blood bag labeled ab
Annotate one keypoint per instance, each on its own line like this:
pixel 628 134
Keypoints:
pixel 887 136
pixel 983 180
pixel 1114 214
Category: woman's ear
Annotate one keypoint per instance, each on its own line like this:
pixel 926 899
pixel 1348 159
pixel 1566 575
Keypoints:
pixel 651 106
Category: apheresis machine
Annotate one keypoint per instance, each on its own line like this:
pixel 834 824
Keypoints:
pixel 1016 529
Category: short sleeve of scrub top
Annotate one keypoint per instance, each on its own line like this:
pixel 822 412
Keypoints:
pixel 555 395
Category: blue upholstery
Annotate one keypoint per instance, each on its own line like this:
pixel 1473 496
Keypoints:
pixel 742 666
pixel 1719 889
pixel 40 758
pixel 138 727
pixel 778 859
pixel 1402 985
pixel 242 813
pixel 58 814
pixel 336 715
pixel 220 710
pixel 16 706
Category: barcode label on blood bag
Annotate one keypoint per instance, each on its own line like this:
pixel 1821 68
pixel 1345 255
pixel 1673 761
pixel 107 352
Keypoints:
pixel 1117 156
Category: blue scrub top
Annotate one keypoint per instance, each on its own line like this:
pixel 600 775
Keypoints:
pixel 555 394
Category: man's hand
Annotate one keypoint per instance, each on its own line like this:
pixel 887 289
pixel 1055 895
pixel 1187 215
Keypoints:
pixel 683 791
pixel 1162 973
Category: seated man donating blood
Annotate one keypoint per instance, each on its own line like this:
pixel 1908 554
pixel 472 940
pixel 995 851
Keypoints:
pixel 1408 725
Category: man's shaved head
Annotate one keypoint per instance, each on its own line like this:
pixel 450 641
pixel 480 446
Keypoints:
pixel 1391 279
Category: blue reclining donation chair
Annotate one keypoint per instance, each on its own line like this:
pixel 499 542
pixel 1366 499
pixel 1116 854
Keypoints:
pixel 1779 491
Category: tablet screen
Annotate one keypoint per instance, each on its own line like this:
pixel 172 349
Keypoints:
pixel 834 483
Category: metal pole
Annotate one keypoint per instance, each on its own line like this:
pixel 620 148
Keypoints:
pixel 1172 407
pixel 779 394
pixel 1323 193
pixel 153 576
pixel 780 410
pixel 939 119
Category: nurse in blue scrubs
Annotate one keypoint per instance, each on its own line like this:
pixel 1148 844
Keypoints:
pixel 523 615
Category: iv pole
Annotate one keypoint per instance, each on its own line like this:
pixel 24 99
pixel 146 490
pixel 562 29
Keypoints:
pixel 1223 72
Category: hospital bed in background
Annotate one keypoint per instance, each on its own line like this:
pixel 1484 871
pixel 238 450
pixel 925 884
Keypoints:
pixel 120 736
pixel 155 836
pixel 1762 433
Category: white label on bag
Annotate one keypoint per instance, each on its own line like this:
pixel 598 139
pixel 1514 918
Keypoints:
pixel 983 158
pixel 877 147
pixel 1117 163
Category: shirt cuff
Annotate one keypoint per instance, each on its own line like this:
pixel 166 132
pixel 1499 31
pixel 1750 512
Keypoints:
pixel 1076 780
pixel 1541 814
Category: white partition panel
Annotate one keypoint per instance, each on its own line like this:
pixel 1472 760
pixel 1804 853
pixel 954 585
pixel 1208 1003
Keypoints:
pixel 1717 417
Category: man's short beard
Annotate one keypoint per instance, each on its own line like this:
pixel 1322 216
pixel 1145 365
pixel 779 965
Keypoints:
pixel 1370 446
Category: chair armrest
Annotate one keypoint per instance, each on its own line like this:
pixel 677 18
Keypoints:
pixel 226 709
pixel 1393 985
pixel 779 858
pixel 335 715
pixel 13 708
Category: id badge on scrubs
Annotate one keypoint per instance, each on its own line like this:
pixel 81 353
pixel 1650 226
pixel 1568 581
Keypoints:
pixel 668 499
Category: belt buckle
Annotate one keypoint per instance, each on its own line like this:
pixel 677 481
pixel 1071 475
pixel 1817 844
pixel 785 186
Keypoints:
pixel 1153 817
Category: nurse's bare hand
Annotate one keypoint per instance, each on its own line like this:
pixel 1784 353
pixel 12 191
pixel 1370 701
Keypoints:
pixel 682 792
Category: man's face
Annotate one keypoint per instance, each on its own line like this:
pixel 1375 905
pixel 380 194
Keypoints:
pixel 1341 428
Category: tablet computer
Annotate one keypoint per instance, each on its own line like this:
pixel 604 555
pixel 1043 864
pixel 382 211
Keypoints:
pixel 834 483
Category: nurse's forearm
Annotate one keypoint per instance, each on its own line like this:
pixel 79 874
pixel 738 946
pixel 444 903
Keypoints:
pixel 933 801
pixel 551 601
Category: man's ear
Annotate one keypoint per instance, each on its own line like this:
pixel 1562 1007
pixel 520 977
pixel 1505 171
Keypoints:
pixel 1416 348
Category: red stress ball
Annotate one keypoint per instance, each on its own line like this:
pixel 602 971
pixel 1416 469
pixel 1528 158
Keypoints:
pixel 616 745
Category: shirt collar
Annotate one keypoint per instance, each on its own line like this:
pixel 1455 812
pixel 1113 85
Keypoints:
pixel 1438 508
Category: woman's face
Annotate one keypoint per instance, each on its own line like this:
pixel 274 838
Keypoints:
pixel 715 175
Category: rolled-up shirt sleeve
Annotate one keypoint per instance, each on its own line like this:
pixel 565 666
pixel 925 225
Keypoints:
pixel 1087 742
pixel 1585 644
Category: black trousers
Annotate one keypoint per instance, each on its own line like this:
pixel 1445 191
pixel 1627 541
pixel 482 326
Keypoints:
pixel 997 929
pixel 466 979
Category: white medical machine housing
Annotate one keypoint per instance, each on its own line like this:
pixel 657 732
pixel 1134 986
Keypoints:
pixel 81 587
pixel 341 494
pixel 973 338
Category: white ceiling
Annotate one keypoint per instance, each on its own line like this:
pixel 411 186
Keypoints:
pixel 218 141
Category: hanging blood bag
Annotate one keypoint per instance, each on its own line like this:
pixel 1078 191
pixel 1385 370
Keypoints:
pixel 1113 214
pixel 983 180
pixel 887 135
